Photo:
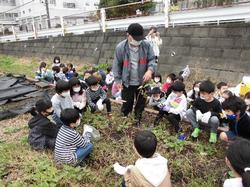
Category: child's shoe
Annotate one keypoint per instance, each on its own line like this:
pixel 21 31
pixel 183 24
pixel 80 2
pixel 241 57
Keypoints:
pixel 196 133
pixel 213 137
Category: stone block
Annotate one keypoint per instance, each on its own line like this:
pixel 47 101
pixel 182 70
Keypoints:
pixel 225 42
pixel 218 32
pixel 232 53
pixel 213 52
pixel 198 52
pixel 201 32
pixel 177 41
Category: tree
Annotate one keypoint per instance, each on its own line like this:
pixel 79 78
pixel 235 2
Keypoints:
pixel 125 11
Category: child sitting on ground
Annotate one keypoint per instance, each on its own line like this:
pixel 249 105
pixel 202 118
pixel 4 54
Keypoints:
pixel 71 147
pixel 78 95
pixel 151 169
pixel 169 81
pixel 194 93
pixel 157 98
pixel 247 101
pixel 238 160
pixel 206 110
pixel 43 74
pixel 96 96
pixel 109 78
pixel 157 80
pixel 116 91
pixel 221 87
pixel 58 75
pixel 174 107
pixel 238 120
pixel 61 100
pixel 56 61
pixel 42 133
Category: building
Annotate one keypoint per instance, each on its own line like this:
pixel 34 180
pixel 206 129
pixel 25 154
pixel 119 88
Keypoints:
pixel 27 12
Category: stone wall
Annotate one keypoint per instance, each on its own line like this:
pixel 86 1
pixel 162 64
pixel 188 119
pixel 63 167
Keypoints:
pixel 220 52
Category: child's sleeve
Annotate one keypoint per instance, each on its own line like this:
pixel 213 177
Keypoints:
pixel 57 108
pixel 152 102
pixel 103 94
pixel 80 141
pixel 91 104
pixel 217 111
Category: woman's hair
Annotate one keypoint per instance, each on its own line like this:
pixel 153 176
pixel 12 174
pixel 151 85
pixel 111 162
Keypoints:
pixel 42 65
pixel 73 82
pixel 238 155
pixel 41 106
pixel 247 95
pixel 193 94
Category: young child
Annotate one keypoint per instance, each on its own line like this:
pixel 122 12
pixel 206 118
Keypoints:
pixel 151 169
pixel 58 75
pixel 42 133
pixel 247 101
pixel 221 87
pixel 226 94
pixel 116 91
pixel 96 96
pixel 56 61
pixel 109 78
pixel 71 72
pixel 194 93
pixel 238 160
pixel 71 147
pixel 157 98
pixel 61 100
pixel 174 107
pixel 169 81
pixel 206 110
pixel 238 120
pixel 78 94
pixel 157 80
pixel 41 71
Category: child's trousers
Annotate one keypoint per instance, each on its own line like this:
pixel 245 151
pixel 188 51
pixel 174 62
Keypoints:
pixel 82 152
pixel 105 101
pixel 213 122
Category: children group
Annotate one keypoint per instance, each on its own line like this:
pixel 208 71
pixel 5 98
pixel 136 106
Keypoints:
pixel 204 105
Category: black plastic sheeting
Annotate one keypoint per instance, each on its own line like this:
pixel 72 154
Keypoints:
pixel 17 96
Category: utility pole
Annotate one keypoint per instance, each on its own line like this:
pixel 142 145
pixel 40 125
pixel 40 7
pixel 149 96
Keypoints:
pixel 47 12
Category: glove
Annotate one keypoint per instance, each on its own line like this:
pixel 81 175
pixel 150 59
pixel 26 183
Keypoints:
pixel 198 115
pixel 166 108
pixel 119 169
pixel 76 104
pixel 100 105
pixel 205 118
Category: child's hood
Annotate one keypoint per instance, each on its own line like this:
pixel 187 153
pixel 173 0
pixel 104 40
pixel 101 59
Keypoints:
pixel 153 169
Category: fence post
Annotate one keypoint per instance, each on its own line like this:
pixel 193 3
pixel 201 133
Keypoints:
pixel 166 11
pixel 34 29
pixel 103 19
pixel 62 25
pixel 14 32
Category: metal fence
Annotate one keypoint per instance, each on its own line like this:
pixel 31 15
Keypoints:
pixel 186 12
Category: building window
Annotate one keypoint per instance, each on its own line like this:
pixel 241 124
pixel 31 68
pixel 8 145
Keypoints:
pixel 23 12
pixel 69 5
pixel 29 10
pixel 52 2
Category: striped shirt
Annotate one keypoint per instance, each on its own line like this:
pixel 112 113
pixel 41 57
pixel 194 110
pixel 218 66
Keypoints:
pixel 93 96
pixel 67 141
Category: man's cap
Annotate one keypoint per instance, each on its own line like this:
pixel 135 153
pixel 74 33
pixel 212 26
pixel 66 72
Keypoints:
pixel 136 31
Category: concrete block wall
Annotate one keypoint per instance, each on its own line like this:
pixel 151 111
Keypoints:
pixel 222 52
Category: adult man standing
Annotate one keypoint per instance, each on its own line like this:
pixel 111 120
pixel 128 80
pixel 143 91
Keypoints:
pixel 134 65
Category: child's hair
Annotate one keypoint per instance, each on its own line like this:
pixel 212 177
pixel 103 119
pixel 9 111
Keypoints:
pixel 247 95
pixel 156 90
pixel 234 104
pixel 62 65
pixel 92 80
pixel 56 58
pixel 172 76
pixel 178 86
pixel 41 106
pixel 238 154
pixel 69 115
pixel 42 65
pixel 157 74
pixel 56 69
pixel 109 69
pixel 61 86
pixel 73 82
pixel 179 78
pixel 145 143
pixel 220 84
pixel 207 86
pixel 65 70
pixel 98 76
pixel 70 65
pixel 229 93
pixel 87 72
